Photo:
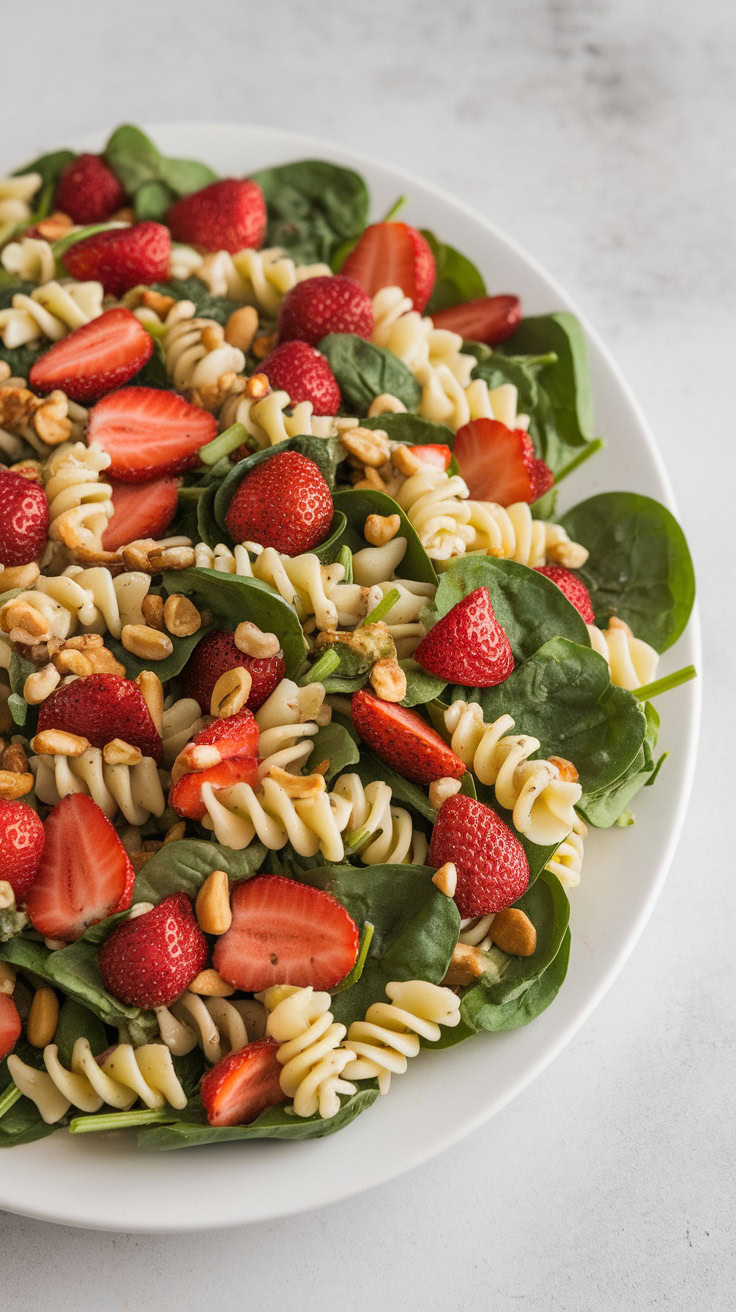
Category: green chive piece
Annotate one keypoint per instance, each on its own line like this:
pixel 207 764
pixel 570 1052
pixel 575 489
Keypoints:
pixel 649 690
pixel 118 1121
pixel 223 445
pixel 383 608
pixel 355 974
pixel 345 558
pixel 585 452
pixel 322 668
pixel 8 1097
pixel 391 213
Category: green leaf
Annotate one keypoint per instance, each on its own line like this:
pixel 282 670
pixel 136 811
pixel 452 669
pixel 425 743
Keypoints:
pixel 421 687
pixel 184 176
pixel 364 371
pixel 312 206
pixel 153 200
pixel 171 665
pixel 183 867
pixel 326 452
pixel 606 808
pixel 358 504
pixel 153 373
pixel 132 157
pixel 639 568
pixel 21 359
pixel 562 420
pixel 334 744
pixel 276 1123
pixel 76 1022
pixel 206 304
pixel 50 166
pixel 370 768
pixel 457 280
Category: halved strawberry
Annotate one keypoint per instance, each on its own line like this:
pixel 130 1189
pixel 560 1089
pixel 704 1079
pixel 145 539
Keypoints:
pixel 235 735
pixel 498 463
pixel 434 454
pixel 572 586
pixel 403 740
pixel 243 1084
pixel 148 432
pixel 93 359
pixel 10 1025
pixel 489 319
pixel 100 707
pixel 84 875
pixel 285 933
pixel 393 255
pixel 141 510
pixel 185 796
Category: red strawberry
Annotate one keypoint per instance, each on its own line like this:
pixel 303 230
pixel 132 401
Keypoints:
pixel 235 735
pixel 88 190
pixel 403 740
pixel 122 257
pixel 285 933
pixel 492 868
pixel 185 796
pixel 434 454
pixel 296 368
pixel 21 844
pixel 142 510
pixel 468 645
pixel 225 216
pixel 84 875
pixel 101 355
pixel 498 463
pixel 393 255
pixel 24 519
pixel 573 588
pixel 283 503
pixel 217 653
pixel 150 960
pixel 149 432
pixel 10 1025
pixel 100 707
pixel 319 306
pixel 490 319
pixel 243 1084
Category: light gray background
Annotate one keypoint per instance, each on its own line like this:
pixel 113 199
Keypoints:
pixel 601 134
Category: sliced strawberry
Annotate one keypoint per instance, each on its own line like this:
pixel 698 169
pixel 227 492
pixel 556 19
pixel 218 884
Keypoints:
pixel 498 463
pixel 148 432
pixel 403 740
pixel 490 319
pixel 84 875
pixel 235 735
pixel 285 933
pixel 185 796
pixel 393 255
pixel 24 519
pixel 10 1025
pixel 150 960
pixel 243 1084
pixel 103 354
pixel 542 478
pixel 141 510
pixel 468 645
pixel 434 454
pixel 100 707
pixel 122 258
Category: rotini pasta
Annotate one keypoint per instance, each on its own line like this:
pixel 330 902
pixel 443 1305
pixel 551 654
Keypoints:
pixel 273 419
pixel 437 506
pixel 310 1049
pixel 390 836
pixel 80 504
pixel 31 259
pixel 125 1075
pixel 287 722
pixel 15 196
pixel 182 719
pixel 218 1025
pixel 541 800
pixel 87 599
pixel 632 661
pixel 185 261
pixel 52 311
pixel 475 932
pixel 133 790
pixel 391 1031
pixel 197 354
pixel 259 278
pixel 567 862
pixel 302 581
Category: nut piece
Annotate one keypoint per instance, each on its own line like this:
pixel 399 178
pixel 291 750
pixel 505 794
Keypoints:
pixel 242 327
pixel 118 752
pixel 51 420
pixel 42 1018
pixel 103 661
pixel 468 964
pixel 14 785
pixel 7 896
pixel 152 692
pixel 210 984
pixel 157 302
pixel 263 345
pixel 69 661
pixel 14 759
pixel 371 481
pixel 565 768
pixel 57 742
pixel 145 642
pixel 231 692
pixel 380 529
pixel 298 785
pixel 85 642
pixel 29 469
pixel 369 446
pixel 512 931
pixel 19 576
pixel 18 614
pixel 388 680
pixel 441 789
pixel 404 460
pixel 213 904
pixel 152 610
pixel 386 404
pixel 7 975
pixel 40 685
pixel 446 878
pixel 160 558
pixel 252 641
pixel 212 336
pixel 181 616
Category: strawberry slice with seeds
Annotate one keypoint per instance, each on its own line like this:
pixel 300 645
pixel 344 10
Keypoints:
pixel 100 707
pixel 185 796
pixel 285 933
pixel 148 432
pixel 140 510
pixel 101 355
pixel 10 1025
pixel 393 255
pixel 490 319
pixel 84 875
pixel 150 960
pixel 434 454
pixel 122 258
pixel 236 735
pixel 243 1084
pixel 468 645
pixel 403 740
pixel 498 463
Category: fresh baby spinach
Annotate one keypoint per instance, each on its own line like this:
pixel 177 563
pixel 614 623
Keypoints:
pixel 413 429
pixel 357 504
pixel 170 665
pixel 421 687
pixel 20 359
pixel 77 1022
pixel 184 866
pixel 607 807
pixel 405 793
pixel 152 181
pixel 312 207
pixel 326 452
pixel 50 167
pixel 189 1128
pixel 639 568
pixel 333 743
pixel 457 279
pixel 364 370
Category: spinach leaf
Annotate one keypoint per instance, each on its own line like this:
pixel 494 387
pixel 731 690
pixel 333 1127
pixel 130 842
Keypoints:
pixel 603 809
pixel 275 1123
pixel 171 665
pixel 12 288
pixel 563 696
pixel 233 598
pixel 639 568
pixel 184 866
pixel 153 373
pixel 457 280
pixel 76 1022
pixel 151 180
pixel 153 200
pixel 21 359
pixel 312 206
pixel 358 504
pixel 413 429
pixel 370 768
pixel 326 452
pixel 334 744
pixel 50 166
pixel 563 419
pixel 206 304
pixel 207 526
pixel 364 371
pixel 421 687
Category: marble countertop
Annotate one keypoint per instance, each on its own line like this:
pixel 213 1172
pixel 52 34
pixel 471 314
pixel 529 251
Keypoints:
pixel 601 133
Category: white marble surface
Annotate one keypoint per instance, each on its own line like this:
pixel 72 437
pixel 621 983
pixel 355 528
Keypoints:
pixel 601 133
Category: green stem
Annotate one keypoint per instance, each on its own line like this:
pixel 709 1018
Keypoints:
pixel 356 840
pixel 322 669
pixel 11 1096
pixel 649 690
pixel 345 558
pixel 62 245
pixel 117 1121
pixel 190 493
pixel 383 608
pixel 357 971
pixel 583 454
pixel 398 204
pixel 223 445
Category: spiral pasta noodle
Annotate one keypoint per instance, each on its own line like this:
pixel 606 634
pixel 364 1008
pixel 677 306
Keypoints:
pixel 436 504
pixel 80 504
pixel 260 278
pixel 287 722
pixel 541 801
pixel 273 419
pixel 302 581
pixel 197 354
pixel 133 790
pixel 31 259
pixel 125 1075
pixel 185 261
pixel 182 720
pixel 310 1049
pixel 391 1031
pixel 90 599
pixel 218 1025
pixel 52 311
pixel 632 661
pixel 567 862
pixel 15 196
pixel 390 836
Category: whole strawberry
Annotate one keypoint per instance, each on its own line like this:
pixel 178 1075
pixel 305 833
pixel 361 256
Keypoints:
pixel 100 707
pixel 300 370
pixel 393 255
pixel 122 257
pixel 283 503
pixel 319 306
pixel 492 867
pixel 21 846
pixel 573 588
pixel 403 739
pixel 468 645
pixel 24 519
pixel 150 960
pixel 88 190
pixel 217 653
pixel 225 216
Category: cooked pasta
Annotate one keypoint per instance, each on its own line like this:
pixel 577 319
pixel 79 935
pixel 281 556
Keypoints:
pixel 87 599
pixel 217 1025
pixel 310 1049
pixel 185 261
pixel 632 661
pixel 79 503
pixel 475 932
pixel 391 1031
pixel 52 311
pixel 133 790
pixel 31 259
pixel 197 354
pixel 182 719
pixel 303 581
pixel 377 831
pixel 567 862
pixel 541 800
pixel 437 506
pixel 125 1075
pixel 273 419
pixel 15 196
pixel 510 533
pixel 259 278
pixel 288 721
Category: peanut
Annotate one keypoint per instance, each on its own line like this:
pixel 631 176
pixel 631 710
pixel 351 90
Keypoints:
pixel 404 460
pixel 263 346
pixel 145 642
pixel 213 904
pixel 512 931
pixel 370 481
pixel 212 336
pixel 257 387
pixel 369 446
pixel 380 529
pixel 43 1017
pixel 231 692
pixel 468 963
pixel 69 661
pixel 388 680
pixel 386 404
pixel 7 977
pixel 242 327
pixel 175 833
pixel 14 759
pixel 566 769
pixel 157 302
pixel 181 616
pixel 210 984
pixel 57 742
pixel 13 785
pixel 252 641
pixel 18 614
pixel 118 752
pixel 153 695
pixel 446 878
pixel 441 789
pixel 41 684
pixel 152 610
pixel 103 661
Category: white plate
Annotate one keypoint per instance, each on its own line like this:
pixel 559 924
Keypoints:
pixel 105 1183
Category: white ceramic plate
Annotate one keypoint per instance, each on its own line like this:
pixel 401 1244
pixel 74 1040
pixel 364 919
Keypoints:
pixel 105 1183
